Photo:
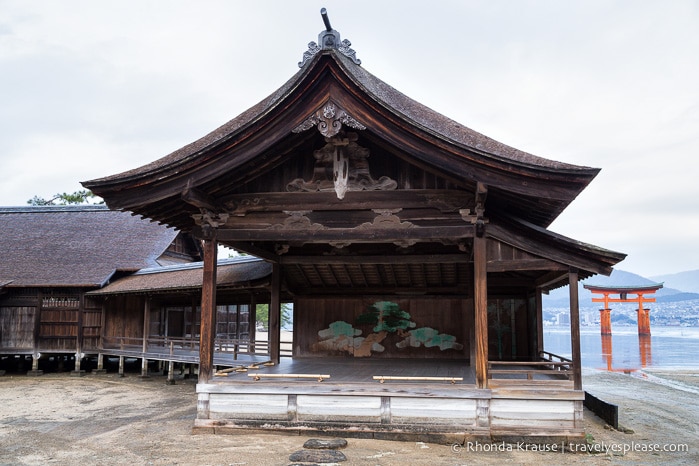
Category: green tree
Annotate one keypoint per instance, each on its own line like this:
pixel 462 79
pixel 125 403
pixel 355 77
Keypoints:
pixel 262 315
pixel 84 196
pixel 386 316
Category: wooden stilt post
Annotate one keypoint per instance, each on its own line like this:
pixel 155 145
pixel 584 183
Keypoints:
pixel 275 309
pixel 575 328
pixel 77 372
pixel 121 366
pixel 480 298
pixel 171 373
pixel 207 331
pixel 100 365
pixel 35 365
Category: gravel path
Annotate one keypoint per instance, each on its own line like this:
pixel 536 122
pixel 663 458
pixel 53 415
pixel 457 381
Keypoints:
pixel 91 420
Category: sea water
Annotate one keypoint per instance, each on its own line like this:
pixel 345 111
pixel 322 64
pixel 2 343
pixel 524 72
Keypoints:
pixel 666 348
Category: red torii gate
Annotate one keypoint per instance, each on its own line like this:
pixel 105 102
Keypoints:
pixel 623 292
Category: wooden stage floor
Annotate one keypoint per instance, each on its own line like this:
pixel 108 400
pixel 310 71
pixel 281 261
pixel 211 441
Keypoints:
pixel 354 370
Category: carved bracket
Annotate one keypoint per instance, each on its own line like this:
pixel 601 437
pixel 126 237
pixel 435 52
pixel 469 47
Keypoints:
pixel 386 219
pixel 341 166
pixel 210 219
pixel 329 120
pixel 297 220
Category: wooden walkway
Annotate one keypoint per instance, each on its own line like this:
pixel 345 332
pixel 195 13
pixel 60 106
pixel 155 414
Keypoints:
pixel 184 355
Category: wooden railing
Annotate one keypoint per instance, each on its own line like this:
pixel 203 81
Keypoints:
pixel 172 344
pixel 548 364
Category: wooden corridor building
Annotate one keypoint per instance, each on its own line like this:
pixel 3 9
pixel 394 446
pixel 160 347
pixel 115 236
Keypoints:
pixel 52 257
pixel 401 236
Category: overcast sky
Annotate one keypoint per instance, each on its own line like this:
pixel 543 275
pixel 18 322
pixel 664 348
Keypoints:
pixel 93 88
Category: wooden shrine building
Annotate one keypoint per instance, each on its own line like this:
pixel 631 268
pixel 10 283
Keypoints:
pixel 415 251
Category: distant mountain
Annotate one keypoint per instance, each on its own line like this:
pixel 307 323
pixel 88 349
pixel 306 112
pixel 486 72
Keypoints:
pixel 685 281
pixel 673 298
pixel 560 296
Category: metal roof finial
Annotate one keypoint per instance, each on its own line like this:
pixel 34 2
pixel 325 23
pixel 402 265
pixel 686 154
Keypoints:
pixel 328 39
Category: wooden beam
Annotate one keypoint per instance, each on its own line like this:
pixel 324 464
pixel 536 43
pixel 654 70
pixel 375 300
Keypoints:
pixel 198 198
pixel 388 259
pixel 575 328
pixel 443 200
pixel 550 279
pixel 480 298
pixel 456 290
pixel 519 265
pixel 357 235
pixel 250 248
pixel 207 331
pixel 383 378
pixel 319 377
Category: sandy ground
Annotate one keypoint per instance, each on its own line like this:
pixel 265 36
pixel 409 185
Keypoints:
pixel 58 419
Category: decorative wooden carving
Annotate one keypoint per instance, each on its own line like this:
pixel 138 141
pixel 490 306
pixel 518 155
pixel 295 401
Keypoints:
pixel 297 220
pixel 386 219
pixel 329 120
pixel 341 165
pixel 211 219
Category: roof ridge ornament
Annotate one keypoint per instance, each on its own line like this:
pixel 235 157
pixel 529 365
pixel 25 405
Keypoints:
pixel 329 39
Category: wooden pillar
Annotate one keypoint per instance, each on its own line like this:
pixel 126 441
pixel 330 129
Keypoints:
pixel 539 322
pixel 275 311
pixel 37 321
pixel 207 331
pixel 79 336
pixel 252 325
pixel 643 320
pixel 575 328
pixel 607 350
pixel 605 320
pixel 480 304
pixel 146 331
pixel 121 366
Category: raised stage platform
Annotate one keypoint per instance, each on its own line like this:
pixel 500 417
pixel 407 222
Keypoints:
pixel 433 400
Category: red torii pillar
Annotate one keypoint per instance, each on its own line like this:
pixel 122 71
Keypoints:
pixel 624 292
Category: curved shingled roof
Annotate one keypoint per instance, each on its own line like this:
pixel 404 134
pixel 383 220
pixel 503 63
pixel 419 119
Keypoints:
pixel 469 154
pixel 390 98
pixel 234 272
pixel 75 245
